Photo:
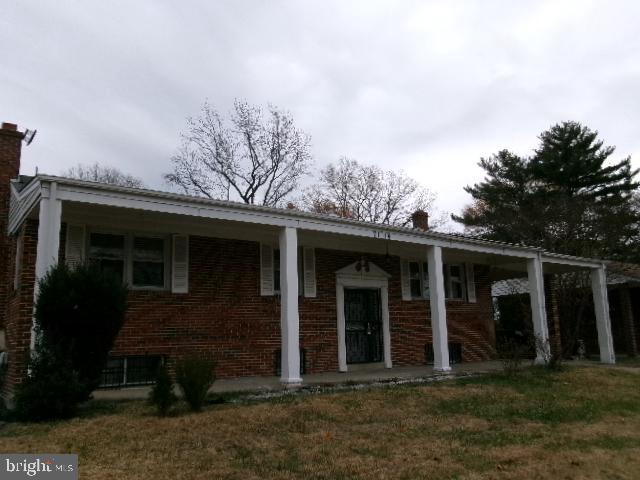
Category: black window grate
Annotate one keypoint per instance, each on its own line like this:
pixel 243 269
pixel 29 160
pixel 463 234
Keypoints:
pixel 130 371
pixel 278 361
pixel 455 353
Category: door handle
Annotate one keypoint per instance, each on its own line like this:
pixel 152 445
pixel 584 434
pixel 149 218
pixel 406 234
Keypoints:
pixel 368 328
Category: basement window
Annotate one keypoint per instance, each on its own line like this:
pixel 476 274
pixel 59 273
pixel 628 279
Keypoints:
pixel 131 370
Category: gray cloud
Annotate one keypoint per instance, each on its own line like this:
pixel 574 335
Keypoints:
pixel 428 87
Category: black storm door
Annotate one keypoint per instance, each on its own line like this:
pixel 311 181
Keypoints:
pixel 363 324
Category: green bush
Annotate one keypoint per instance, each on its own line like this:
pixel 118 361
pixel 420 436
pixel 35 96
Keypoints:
pixel 79 313
pixel 195 374
pixel 161 394
pixel 81 310
pixel 52 389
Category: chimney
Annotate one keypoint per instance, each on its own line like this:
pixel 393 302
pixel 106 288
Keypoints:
pixel 10 146
pixel 420 220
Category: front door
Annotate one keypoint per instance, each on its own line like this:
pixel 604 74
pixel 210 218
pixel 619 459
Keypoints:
pixel 363 324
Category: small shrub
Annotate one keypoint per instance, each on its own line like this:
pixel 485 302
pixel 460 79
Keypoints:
pixel 195 375
pixel 551 360
pixel 512 353
pixel 161 394
pixel 52 390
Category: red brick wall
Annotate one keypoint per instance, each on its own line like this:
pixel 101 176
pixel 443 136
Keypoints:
pixel 10 145
pixel 20 306
pixel 223 314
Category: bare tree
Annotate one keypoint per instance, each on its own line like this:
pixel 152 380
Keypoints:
pixel 366 192
pixel 245 157
pixel 103 174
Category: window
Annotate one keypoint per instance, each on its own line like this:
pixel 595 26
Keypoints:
pixel 276 271
pixel 148 262
pixel 132 370
pixel 419 279
pixel 107 251
pixel 138 260
pixel 454 282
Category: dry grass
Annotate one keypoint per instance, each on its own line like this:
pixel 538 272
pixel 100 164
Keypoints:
pixel 580 423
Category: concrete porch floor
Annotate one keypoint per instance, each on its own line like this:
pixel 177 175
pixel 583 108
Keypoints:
pixel 358 374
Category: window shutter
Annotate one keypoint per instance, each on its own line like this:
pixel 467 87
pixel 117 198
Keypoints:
pixel 266 269
pixel 74 246
pixel 180 264
pixel 309 263
pixel 471 283
pixel 405 281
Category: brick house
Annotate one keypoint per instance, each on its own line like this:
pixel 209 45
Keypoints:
pixel 266 291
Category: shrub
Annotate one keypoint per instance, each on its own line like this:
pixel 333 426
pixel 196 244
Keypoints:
pixel 195 375
pixel 78 314
pixel 52 390
pixel 512 353
pixel 161 394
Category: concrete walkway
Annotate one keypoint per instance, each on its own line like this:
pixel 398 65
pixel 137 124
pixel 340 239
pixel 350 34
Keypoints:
pixel 359 374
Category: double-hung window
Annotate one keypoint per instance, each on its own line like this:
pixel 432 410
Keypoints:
pixel 139 260
pixel 454 286
pixel 419 279
pixel 107 251
pixel 148 262
pixel 276 271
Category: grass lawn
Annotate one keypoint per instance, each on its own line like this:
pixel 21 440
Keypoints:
pixel 578 423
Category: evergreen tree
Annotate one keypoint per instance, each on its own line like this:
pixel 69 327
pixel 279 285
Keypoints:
pixel 566 198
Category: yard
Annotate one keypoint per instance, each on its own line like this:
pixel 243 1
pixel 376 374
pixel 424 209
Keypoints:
pixel 578 423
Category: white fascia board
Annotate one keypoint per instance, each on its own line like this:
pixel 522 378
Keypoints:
pixel 162 202
pixel 558 259
pixel 267 217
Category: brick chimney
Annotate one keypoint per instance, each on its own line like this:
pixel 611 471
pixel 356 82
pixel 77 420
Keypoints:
pixel 10 147
pixel 420 219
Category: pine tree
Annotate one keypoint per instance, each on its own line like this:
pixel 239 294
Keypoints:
pixel 566 198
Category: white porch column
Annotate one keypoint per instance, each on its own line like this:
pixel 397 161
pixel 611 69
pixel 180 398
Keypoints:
pixel 49 222
pixel 289 320
pixel 601 306
pixel 438 310
pixel 538 309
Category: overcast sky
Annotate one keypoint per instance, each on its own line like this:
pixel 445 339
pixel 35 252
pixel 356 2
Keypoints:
pixel 426 87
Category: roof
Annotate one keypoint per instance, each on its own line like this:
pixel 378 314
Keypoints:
pixel 620 273
pixel 295 214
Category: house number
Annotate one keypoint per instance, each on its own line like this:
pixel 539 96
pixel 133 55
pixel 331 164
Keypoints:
pixel 381 234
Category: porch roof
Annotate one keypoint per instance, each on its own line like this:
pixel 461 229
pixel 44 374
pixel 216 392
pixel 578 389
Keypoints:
pixel 26 195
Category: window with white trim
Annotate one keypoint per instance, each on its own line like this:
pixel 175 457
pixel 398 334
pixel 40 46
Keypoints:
pixel 419 279
pixel 148 262
pixel 454 287
pixel 139 260
pixel 107 251
pixel 276 271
